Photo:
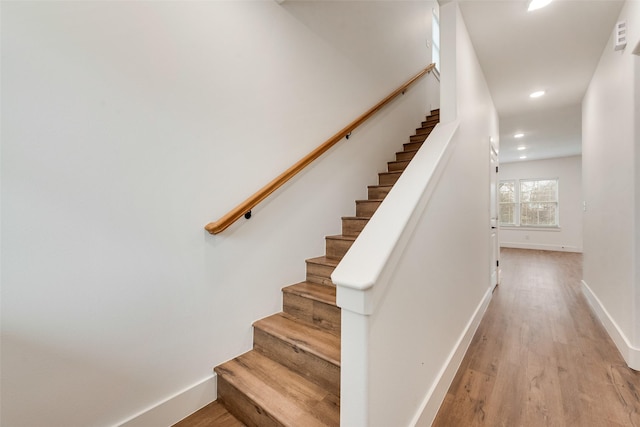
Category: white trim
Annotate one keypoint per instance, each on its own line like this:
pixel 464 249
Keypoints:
pixel 541 247
pixel 630 353
pixel 436 394
pixel 176 407
pixel 529 228
pixel 354 369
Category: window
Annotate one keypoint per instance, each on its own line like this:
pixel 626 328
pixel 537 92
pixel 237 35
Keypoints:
pixel 435 45
pixel 507 194
pixel 539 202
pixel 532 203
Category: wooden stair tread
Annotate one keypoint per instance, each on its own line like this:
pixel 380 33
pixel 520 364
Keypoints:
pixel 414 145
pixel 337 246
pixel 379 191
pixel 306 337
pixel 287 397
pixel 424 130
pixel 390 174
pixel 367 207
pixel 213 415
pixel 388 178
pixel 341 237
pixel 406 155
pixel 314 291
pixel 429 124
pixel 323 260
pixel 398 165
pixel 353 225
pixel 319 270
pixel 406 151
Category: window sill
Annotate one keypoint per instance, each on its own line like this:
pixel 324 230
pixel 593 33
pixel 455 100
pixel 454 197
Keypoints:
pixel 529 228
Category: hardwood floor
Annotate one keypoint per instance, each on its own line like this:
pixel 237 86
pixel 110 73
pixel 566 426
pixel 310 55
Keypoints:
pixel 540 357
pixel 212 415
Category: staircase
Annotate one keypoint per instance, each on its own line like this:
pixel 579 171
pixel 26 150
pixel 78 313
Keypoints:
pixel 292 375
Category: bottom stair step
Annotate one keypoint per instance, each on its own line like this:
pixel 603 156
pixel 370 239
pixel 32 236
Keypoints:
pixel 307 349
pixel 269 394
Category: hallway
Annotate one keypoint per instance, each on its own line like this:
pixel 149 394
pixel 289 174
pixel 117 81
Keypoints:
pixel 539 356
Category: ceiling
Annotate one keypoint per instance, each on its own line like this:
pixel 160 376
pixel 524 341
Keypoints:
pixel 555 49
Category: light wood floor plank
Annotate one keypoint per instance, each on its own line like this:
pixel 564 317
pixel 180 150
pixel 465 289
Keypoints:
pixel 540 357
pixel 212 415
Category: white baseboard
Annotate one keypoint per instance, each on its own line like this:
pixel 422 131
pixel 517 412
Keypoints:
pixel 541 247
pixel 176 407
pixel 436 394
pixel 630 353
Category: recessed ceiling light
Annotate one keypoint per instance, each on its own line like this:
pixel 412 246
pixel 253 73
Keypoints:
pixel 521 148
pixel 518 135
pixel 523 157
pixel 537 94
pixel 537 4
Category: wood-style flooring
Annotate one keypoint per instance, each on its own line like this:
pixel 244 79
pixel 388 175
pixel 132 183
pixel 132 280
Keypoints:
pixel 540 357
pixel 212 415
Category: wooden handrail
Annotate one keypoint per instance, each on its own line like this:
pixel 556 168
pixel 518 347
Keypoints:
pixel 246 206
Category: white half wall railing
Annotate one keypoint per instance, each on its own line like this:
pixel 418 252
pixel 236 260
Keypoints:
pixel 360 276
pixel 401 339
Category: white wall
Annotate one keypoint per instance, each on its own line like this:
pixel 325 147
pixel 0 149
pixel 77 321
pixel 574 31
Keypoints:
pixel 611 185
pixel 568 237
pixel 126 127
pixel 409 309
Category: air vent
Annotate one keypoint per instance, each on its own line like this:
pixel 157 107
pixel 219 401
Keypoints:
pixel 620 36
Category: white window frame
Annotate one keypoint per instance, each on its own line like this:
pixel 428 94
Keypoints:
pixel 518 204
pixel 516 207
pixel 435 39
